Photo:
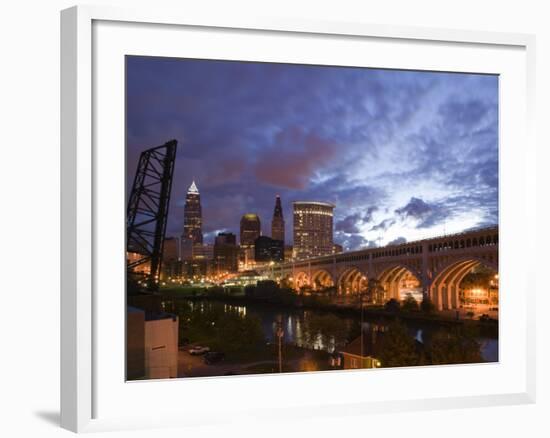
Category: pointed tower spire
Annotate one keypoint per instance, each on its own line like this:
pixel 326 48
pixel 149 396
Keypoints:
pixel 193 188
pixel 278 222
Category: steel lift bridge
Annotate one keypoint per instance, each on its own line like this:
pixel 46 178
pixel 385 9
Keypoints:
pixel 147 215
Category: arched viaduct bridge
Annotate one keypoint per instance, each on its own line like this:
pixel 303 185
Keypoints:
pixel 439 264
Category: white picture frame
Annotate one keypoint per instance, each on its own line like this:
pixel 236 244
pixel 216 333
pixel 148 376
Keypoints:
pixel 84 372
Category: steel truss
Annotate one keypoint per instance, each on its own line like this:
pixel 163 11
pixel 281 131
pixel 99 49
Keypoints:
pixel 147 212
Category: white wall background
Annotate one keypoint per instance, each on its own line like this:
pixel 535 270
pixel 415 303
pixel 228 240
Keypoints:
pixel 29 218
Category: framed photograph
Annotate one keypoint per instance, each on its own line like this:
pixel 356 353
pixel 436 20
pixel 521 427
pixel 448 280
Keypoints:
pixel 283 217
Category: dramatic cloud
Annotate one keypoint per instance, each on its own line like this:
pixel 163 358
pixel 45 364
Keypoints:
pixel 416 208
pixel 349 224
pixel 398 241
pixel 368 214
pixel 306 154
pixel 463 115
pixel 401 154
pixel 352 242
pixel 383 226
pixel 423 214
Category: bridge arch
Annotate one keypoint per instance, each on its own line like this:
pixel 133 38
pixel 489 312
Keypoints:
pixel 301 279
pixel 398 276
pixel 445 286
pixel 352 281
pixel 322 279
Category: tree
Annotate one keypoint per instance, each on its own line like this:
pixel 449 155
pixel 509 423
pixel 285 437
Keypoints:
pixel 285 283
pixel 287 296
pixel 455 346
pixel 409 304
pixel 398 347
pixel 427 306
pixel 239 335
pixel 392 306
pixel 481 278
pixel 250 291
pixel 230 332
pixel 326 328
pixel 375 291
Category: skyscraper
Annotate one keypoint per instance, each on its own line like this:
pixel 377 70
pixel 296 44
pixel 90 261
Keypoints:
pixel 312 229
pixel 251 229
pixel 192 216
pixel 170 258
pixel 267 249
pixel 226 253
pixel 278 222
pixel 171 249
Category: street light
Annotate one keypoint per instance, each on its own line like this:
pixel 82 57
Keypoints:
pixel 280 333
pixel 361 296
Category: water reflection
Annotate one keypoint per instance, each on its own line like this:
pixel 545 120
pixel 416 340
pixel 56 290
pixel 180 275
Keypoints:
pixel 318 330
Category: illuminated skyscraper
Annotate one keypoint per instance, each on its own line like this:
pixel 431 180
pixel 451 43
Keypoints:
pixel 192 216
pixel 251 229
pixel 267 249
pixel 278 222
pixel 313 229
pixel 226 253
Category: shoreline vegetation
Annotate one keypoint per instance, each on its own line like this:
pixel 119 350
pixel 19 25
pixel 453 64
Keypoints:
pixel 242 338
pixel 270 295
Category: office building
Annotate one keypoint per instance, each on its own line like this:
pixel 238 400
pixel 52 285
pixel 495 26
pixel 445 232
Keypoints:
pixel 313 229
pixel 192 216
pixel 268 250
pixel 251 229
pixel 226 253
pixel 278 222
pixel 170 250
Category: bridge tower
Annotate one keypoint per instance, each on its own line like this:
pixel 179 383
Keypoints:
pixel 147 215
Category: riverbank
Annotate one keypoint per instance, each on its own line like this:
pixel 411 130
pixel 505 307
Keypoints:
pixel 248 331
pixel 294 359
pixel 324 304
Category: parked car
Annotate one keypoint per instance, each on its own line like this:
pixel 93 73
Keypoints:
pixel 213 357
pixel 198 350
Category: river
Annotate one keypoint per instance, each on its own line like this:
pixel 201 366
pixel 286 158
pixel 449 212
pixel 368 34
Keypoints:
pixel 312 329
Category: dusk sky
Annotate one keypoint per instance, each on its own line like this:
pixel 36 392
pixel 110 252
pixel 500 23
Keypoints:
pixel 403 155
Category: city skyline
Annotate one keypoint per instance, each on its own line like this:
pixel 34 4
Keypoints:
pixel 312 227
pixel 403 155
pixel 383 184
